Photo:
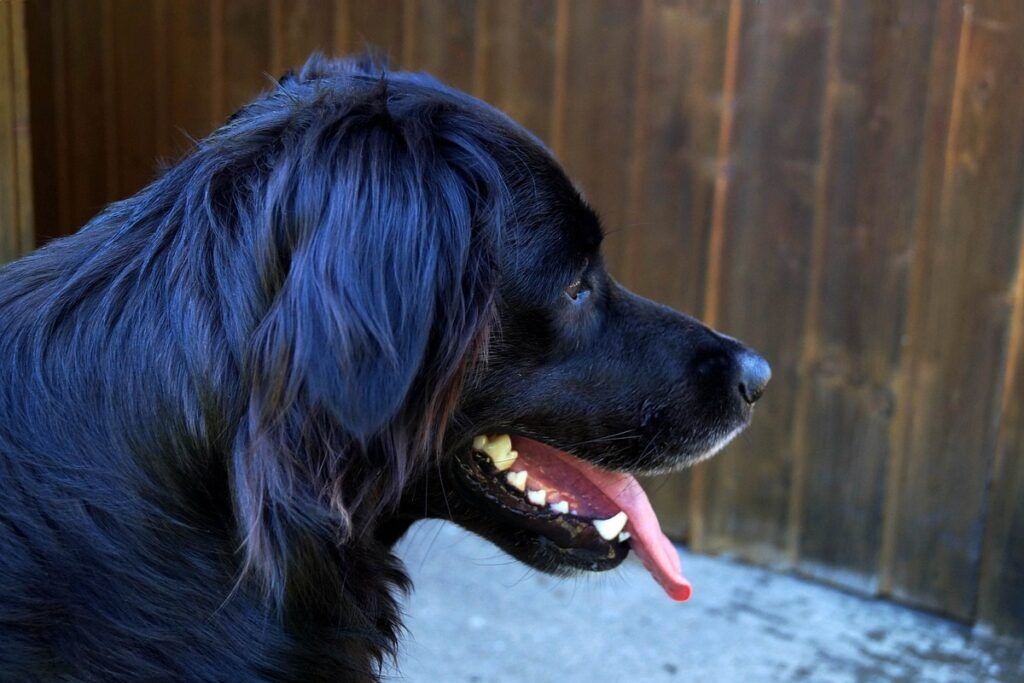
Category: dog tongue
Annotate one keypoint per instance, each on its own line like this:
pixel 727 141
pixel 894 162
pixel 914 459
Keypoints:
pixel 648 541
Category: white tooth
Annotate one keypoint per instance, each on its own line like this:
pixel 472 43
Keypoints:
pixel 561 507
pixel 624 536
pixel 479 442
pixel 517 479
pixel 610 528
pixel 499 450
pixel 537 497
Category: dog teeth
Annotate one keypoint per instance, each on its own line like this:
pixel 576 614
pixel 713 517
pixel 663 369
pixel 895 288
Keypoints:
pixel 499 450
pixel 517 479
pixel 624 536
pixel 479 442
pixel 561 507
pixel 610 528
pixel 538 497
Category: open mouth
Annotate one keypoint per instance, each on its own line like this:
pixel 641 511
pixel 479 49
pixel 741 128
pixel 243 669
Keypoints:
pixel 591 515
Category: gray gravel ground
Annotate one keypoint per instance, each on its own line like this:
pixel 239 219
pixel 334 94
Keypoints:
pixel 478 616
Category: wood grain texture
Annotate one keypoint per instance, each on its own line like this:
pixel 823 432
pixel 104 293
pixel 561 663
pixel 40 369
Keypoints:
pixel 191 109
pixel 960 325
pixel 8 154
pixel 379 26
pixel 91 164
pixel 764 262
pixel 516 61
pixel 16 215
pixel 444 45
pixel 938 112
pixel 136 55
pixel 298 29
pixel 598 111
pixel 864 228
pixel 1001 587
pixel 43 112
pixel 245 57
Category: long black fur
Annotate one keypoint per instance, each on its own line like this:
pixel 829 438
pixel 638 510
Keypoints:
pixel 210 392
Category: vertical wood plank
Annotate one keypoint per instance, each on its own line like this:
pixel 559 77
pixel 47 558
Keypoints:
pixel 675 130
pixel 517 61
pixel 9 224
pixel 87 89
pixel 40 48
pixel 134 116
pixel 600 75
pixel 192 109
pixel 245 60
pixel 444 45
pixel 105 46
pixel 561 68
pixel 960 325
pixel 762 289
pixel 1001 589
pixel 299 28
pixel 864 228
pixel 938 112
pixel 22 130
pixel 377 26
pixel 15 162
pixel 720 196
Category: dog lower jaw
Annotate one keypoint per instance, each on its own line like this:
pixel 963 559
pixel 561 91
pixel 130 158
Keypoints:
pixel 572 534
pixel 607 503
pixel 678 464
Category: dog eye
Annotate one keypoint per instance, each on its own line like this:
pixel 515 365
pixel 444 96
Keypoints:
pixel 574 290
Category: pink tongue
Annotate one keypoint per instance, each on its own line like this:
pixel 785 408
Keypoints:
pixel 648 541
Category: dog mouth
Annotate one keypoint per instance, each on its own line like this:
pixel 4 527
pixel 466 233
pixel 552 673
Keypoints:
pixel 589 515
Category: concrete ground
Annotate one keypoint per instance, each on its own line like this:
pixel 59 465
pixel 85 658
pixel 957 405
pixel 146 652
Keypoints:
pixel 478 616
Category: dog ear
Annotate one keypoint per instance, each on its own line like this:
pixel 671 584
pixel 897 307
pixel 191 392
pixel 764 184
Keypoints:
pixel 379 272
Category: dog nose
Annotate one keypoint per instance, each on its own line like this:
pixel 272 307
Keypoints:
pixel 753 377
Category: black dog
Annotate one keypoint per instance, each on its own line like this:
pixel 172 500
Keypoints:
pixel 225 398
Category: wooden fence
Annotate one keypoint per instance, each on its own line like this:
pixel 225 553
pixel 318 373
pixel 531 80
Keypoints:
pixel 16 222
pixel 839 183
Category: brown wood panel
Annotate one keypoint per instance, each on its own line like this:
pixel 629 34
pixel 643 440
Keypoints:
pixel 938 112
pixel 675 129
pixel 15 161
pixel 959 321
pixel 39 38
pixel 191 109
pixel 762 290
pixel 594 140
pixel 445 44
pixel 675 132
pixel 89 170
pixel 1001 590
pixel 379 26
pixel 516 61
pixel 864 227
pixel 298 29
pixel 243 39
pixel 136 53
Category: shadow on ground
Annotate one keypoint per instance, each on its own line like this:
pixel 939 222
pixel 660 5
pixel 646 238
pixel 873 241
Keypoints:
pixel 478 616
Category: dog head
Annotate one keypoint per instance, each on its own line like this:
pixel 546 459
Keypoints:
pixel 438 335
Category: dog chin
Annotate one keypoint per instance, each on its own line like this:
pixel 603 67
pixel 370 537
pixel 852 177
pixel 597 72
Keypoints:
pixel 679 463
